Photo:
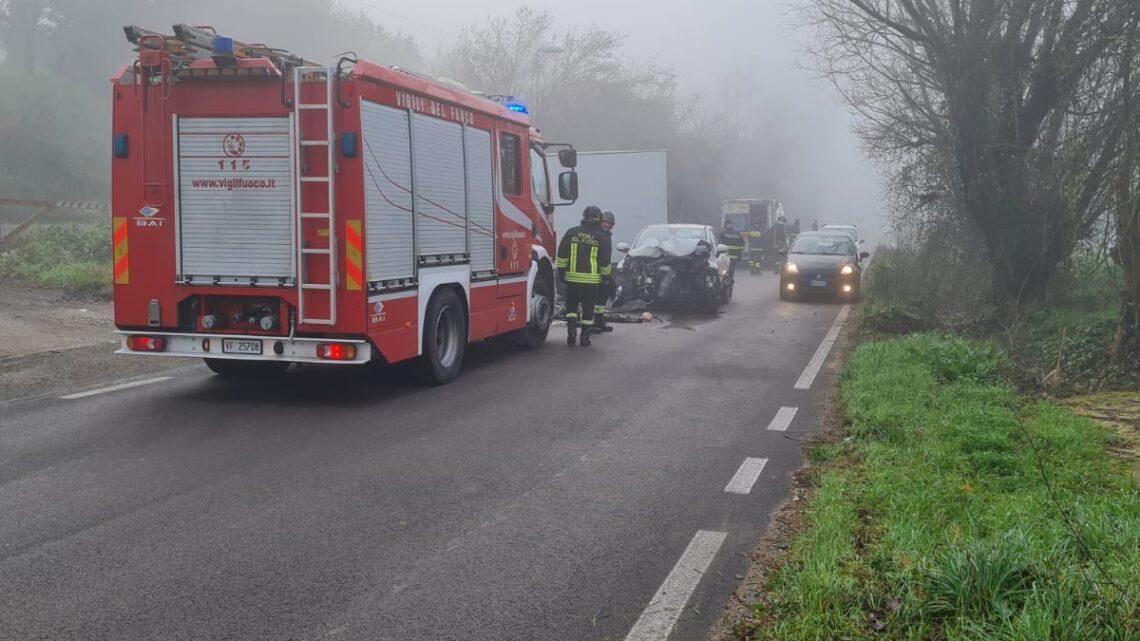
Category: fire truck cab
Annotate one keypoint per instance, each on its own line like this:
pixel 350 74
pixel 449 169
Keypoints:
pixel 267 210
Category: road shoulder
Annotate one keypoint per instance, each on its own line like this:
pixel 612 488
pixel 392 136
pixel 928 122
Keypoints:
pixel 788 519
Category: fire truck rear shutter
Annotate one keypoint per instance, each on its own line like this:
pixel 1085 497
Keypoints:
pixel 235 198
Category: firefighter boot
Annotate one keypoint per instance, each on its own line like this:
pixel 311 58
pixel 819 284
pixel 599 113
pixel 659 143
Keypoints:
pixel 600 320
pixel 572 331
pixel 586 331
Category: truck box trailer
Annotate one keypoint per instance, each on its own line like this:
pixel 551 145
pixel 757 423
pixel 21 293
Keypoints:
pixel 632 184
pixel 267 210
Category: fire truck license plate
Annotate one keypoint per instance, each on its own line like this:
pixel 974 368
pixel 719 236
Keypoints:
pixel 235 346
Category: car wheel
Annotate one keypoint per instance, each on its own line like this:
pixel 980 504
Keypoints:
pixel 445 338
pixel 233 368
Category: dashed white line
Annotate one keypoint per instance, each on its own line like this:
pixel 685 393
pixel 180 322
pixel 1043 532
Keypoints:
pixel 808 376
pixel 659 617
pixel 115 388
pixel 745 477
pixel 783 419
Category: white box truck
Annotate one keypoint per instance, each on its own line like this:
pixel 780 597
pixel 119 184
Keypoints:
pixel 632 184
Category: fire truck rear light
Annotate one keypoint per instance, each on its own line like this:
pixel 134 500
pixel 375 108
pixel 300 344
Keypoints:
pixel 146 343
pixel 120 144
pixel 336 351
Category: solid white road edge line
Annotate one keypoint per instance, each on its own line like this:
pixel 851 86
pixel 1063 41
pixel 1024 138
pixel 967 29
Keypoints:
pixel 659 617
pixel 746 476
pixel 115 388
pixel 783 419
pixel 808 377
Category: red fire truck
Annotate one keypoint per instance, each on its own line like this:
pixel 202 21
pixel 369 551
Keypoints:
pixel 267 210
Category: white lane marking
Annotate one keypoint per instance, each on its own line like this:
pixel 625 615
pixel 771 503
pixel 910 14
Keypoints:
pixel 115 388
pixel 808 377
pixel 783 419
pixel 659 617
pixel 746 476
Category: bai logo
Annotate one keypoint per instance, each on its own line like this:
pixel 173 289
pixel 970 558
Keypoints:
pixel 512 313
pixel 233 145
pixel 146 217
pixel 378 313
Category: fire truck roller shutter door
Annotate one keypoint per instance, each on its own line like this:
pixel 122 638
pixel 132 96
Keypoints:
pixel 480 199
pixel 440 192
pixel 235 206
pixel 387 192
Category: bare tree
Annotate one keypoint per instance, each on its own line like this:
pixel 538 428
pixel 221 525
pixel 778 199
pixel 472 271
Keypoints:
pixel 998 105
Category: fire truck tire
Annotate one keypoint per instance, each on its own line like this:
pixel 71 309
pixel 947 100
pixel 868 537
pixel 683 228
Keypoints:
pixel 533 336
pixel 245 369
pixel 445 338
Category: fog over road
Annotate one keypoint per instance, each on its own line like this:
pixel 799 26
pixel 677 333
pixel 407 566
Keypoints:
pixel 551 495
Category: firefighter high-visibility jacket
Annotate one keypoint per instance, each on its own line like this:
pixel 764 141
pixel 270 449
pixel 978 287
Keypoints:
pixel 584 254
pixel 735 242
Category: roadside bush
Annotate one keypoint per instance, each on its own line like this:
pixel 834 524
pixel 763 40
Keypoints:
pixel 940 279
pixel 891 318
pixel 75 258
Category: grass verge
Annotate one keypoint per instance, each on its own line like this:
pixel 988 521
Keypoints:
pixel 958 510
pixel 74 258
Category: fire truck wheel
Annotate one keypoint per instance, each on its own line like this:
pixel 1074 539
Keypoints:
pixel 245 369
pixel 533 336
pixel 445 338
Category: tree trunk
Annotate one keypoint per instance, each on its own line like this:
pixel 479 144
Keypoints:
pixel 1126 343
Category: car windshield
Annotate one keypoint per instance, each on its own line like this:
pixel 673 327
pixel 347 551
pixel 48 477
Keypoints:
pixel 826 245
pixel 671 240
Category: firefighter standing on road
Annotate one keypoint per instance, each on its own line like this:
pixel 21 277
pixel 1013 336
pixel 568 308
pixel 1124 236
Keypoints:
pixel 583 260
pixel 729 236
pixel 607 290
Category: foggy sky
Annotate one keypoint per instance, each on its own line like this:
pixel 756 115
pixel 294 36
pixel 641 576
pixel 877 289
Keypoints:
pixel 706 43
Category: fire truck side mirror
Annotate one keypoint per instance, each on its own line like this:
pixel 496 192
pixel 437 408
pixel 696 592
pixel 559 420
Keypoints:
pixel 568 158
pixel 568 185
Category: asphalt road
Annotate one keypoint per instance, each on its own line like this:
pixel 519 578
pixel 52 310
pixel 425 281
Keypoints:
pixel 547 495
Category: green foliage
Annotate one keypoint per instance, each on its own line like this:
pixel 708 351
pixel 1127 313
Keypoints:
pixel 981 580
pixel 1066 351
pixel 74 258
pixel 935 521
pixel 955 360
pixel 1091 280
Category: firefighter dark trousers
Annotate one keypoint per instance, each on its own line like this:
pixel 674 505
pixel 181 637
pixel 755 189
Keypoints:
pixel 580 295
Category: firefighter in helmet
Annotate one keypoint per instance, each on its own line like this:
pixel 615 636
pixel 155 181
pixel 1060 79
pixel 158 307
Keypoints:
pixel 607 290
pixel 583 260
pixel 729 236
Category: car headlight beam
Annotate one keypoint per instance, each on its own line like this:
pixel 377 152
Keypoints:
pixel 791 268
pixel 847 270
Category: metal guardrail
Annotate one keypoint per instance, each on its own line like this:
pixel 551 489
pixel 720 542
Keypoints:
pixel 43 207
